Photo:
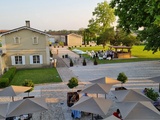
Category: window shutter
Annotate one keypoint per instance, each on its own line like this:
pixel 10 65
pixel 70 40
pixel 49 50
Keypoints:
pixel 23 60
pixel 13 60
pixel 31 59
pixel 41 59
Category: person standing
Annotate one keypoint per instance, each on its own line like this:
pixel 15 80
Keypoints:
pixel 55 63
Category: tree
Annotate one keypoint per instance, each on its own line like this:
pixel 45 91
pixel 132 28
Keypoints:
pixel 122 78
pixel 103 17
pixel 134 14
pixel 151 37
pixel 107 36
pixel 28 83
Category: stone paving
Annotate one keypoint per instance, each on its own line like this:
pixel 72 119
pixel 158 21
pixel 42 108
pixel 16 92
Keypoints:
pixel 139 74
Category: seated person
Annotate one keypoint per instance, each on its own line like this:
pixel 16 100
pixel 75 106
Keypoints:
pixel 73 100
pixel 117 114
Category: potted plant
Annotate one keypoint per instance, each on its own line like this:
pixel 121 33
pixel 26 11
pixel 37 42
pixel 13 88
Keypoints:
pixel 84 62
pixel 71 63
pixel 28 83
pixel 95 62
pixel 72 83
pixel 122 78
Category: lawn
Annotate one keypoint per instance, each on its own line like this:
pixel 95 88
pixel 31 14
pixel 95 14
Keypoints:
pixel 138 54
pixel 38 76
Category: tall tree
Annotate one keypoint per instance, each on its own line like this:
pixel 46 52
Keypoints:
pixel 134 14
pixel 107 36
pixel 103 17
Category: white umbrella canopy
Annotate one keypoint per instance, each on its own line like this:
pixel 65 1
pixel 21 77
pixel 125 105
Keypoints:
pixel 97 88
pixel 106 80
pixel 142 110
pixel 130 95
pixel 14 90
pixel 3 110
pixel 26 106
pixel 112 117
pixel 98 106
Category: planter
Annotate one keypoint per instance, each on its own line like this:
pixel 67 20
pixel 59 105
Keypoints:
pixel 120 88
pixel 66 56
pixel 69 96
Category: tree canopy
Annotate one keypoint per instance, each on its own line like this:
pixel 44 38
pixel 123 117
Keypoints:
pixel 103 17
pixel 134 14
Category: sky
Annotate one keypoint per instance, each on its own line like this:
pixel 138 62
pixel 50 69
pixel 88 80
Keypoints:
pixel 47 14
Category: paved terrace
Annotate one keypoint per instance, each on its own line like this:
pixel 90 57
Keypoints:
pixel 139 74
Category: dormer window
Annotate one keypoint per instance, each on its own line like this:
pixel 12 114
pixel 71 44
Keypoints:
pixel 16 40
pixel 35 40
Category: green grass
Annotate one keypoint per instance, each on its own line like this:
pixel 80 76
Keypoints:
pixel 38 76
pixel 137 52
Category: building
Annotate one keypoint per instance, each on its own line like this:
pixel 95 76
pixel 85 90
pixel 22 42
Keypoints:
pixel 70 39
pixel 24 47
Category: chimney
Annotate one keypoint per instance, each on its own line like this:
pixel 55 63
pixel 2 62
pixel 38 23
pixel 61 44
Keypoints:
pixel 27 23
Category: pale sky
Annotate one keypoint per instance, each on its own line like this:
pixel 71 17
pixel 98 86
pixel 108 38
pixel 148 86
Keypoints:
pixel 47 14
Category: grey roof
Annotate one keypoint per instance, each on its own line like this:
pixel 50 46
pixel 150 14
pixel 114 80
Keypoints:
pixel 22 28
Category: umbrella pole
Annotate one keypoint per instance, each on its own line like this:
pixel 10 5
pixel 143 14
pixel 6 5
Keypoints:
pixel 12 98
pixel 159 87
pixel 92 116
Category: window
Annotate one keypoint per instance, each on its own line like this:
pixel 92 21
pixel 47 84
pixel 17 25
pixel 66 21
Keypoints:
pixel 18 60
pixel 35 40
pixel 16 40
pixel 36 59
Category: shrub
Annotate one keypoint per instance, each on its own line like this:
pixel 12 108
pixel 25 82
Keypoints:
pixel 4 82
pixel 84 62
pixel 73 82
pixel 152 94
pixel 122 77
pixel 95 62
pixel 61 43
pixel 71 63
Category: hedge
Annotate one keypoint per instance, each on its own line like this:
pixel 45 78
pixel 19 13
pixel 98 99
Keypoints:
pixel 4 82
pixel 10 73
pixel 7 77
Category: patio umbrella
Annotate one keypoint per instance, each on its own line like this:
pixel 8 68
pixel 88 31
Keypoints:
pixel 97 88
pixel 142 110
pixel 92 105
pixel 130 95
pixel 14 90
pixel 106 80
pixel 3 110
pixel 26 106
pixel 112 117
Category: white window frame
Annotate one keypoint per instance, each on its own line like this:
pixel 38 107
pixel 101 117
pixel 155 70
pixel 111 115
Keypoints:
pixel 40 59
pixel 13 60
pixel 35 40
pixel 16 40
